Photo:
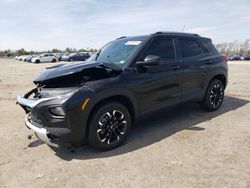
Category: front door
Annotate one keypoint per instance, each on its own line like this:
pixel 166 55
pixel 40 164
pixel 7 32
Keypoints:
pixel 160 85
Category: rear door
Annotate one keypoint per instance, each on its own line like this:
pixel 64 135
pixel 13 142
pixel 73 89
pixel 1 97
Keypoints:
pixel 45 58
pixel 193 67
pixel 160 85
pixel 50 57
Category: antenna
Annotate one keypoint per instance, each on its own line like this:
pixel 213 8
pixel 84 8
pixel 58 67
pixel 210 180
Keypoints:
pixel 183 28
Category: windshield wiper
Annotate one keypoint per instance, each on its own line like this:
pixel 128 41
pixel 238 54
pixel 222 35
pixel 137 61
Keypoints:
pixel 97 54
pixel 111 66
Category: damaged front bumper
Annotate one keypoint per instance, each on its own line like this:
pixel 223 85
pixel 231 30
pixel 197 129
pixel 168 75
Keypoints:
pixel 30 103
pixel 41 133
pixel 54 128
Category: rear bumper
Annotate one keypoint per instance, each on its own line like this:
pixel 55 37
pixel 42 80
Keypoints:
pixel 41 133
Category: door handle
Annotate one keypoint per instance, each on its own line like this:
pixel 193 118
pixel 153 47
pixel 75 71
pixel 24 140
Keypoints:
pixel 176 67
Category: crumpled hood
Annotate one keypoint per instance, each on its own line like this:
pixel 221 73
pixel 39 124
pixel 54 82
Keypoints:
pixel 64 70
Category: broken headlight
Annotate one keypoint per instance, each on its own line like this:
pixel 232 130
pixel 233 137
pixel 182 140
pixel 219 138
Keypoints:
pixel 55 92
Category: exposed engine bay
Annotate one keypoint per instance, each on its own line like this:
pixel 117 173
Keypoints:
pixel 50 86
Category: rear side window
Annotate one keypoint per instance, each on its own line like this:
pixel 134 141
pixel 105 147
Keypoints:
pixel 164 48
pixel 207 44
pixel 189 48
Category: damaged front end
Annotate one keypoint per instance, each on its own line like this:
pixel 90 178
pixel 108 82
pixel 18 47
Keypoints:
pixel 54 108
pixel 45 111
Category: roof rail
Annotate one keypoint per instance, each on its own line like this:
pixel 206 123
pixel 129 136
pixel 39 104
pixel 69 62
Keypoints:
pixel 121 37
pixel 174 33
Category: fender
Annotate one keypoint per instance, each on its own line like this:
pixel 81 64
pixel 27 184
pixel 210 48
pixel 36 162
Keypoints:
pixel 103 95
pixel 216 72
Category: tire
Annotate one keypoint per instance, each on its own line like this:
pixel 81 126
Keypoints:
pixel 71 60
pixel 214 96
pixel 109 126
pixel 53 60
pixel 37 61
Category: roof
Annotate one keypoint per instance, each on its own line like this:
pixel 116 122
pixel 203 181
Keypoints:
pixel 159 33
pixel 175 33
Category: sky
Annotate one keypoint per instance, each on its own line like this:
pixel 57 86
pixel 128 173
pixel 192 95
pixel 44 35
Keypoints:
pixel 47 24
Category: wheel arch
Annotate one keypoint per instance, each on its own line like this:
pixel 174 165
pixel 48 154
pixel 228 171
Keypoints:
pixel 122 96
pixel 220 77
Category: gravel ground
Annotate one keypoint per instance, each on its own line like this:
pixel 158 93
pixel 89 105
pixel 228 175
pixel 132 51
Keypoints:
pixel 182 147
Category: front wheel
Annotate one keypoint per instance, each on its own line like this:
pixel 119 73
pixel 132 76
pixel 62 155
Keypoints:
pixel 37 61
pixel 109 126
pixel 214 96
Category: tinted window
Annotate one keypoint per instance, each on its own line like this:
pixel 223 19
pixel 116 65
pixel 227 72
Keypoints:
pixel 164 48
pixel 189 48
pixel 209 46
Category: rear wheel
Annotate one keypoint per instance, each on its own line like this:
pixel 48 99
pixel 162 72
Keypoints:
pixel 214 96
pixel 53 60
pixel 109 126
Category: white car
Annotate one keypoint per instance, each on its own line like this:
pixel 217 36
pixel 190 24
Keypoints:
pixel 44 58
pixel 24 57
pixel 65 56
pixel 20 58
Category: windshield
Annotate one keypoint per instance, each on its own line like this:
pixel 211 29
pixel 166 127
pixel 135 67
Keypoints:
pixel 118 51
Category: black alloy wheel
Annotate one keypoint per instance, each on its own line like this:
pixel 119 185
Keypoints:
pixel 214 96
pixel 109 126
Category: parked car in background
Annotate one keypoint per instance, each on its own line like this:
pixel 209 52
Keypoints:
pixel 29 58
pixel 46 57
pixel 65 56
pixel 77 57
pixel 21 57
pixel 234 57
pixel 17 58
pixel 59 56
pixel 247 57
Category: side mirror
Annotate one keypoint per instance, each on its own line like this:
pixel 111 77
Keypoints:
pixel 149 60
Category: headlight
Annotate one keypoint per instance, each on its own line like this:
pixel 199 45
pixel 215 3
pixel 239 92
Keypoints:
pixel 56 92
pixel 57 111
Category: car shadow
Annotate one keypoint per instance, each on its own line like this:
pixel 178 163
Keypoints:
pixel 154 128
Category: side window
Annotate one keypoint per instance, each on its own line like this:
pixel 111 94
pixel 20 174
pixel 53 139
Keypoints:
pixel 164 48
pixel 209 46
pixel 189 48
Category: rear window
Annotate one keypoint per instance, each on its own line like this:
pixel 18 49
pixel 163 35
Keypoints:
pixel 207 44
pixel 189 48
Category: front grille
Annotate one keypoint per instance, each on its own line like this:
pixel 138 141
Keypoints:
pixel 34 120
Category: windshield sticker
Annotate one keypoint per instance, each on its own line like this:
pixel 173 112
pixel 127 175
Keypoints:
pixel 134 42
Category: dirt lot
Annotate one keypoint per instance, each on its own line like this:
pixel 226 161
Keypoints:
pixel 183 147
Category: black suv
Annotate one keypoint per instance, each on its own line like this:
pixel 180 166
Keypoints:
pixel 98 100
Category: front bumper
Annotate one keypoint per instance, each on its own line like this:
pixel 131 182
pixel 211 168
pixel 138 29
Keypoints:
pixel 52 129
pixel 41 133
pixel 29 102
